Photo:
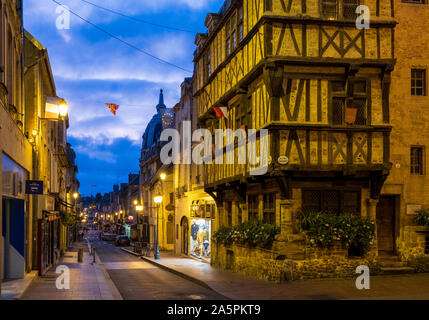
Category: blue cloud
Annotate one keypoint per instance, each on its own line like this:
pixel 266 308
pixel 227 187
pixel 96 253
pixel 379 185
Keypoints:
pixel 91 69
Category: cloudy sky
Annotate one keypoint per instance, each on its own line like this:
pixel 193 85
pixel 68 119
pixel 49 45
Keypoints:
pixel 90 68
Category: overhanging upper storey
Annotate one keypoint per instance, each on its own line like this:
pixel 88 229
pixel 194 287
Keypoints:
pixel 253 34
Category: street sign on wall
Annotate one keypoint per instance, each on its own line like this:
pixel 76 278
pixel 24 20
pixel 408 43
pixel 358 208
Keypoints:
pixel 33 187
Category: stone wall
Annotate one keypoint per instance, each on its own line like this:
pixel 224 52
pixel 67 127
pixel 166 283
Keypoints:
pixel 412 242
pixel 272 266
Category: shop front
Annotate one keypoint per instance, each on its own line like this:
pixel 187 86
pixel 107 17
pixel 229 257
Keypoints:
pixel 202 214
pixel 14 220
pixel 48 241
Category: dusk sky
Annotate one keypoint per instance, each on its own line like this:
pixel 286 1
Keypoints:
pixel 91 69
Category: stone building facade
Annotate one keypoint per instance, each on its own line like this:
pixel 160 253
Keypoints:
pixel 32 147
pixel 406 190
pixel 151 185
pixel 320 86
pixel 195 209
pixel 15 148
pixel 53 161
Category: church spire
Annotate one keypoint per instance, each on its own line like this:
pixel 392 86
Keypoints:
pixel 161 98
pixel 161 104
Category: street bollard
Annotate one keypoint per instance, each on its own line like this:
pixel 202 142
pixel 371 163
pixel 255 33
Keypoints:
pixel 93 254
pixel 80 255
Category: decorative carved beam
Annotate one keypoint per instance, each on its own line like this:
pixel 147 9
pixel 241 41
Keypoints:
pixel 240 190
pixel 273 78
pixel 284 183
pixel 377 180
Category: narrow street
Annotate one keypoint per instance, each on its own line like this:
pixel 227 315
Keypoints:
pixel 139 280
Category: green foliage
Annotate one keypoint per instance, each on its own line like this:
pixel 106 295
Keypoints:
pixel 420 263
pixel 69 219
pixel 253 233
pixel 422 218
pixel 324 228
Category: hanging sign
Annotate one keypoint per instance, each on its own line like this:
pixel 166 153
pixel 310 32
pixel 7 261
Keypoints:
pixel 33 187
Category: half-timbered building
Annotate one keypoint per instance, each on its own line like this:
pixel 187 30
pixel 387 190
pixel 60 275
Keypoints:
pixel 303 70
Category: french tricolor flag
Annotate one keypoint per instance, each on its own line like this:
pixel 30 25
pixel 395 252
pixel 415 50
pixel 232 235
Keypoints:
pixel 221 112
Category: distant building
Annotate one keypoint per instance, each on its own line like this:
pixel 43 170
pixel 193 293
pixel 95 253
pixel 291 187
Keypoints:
pixel 195 209
pixel 151 184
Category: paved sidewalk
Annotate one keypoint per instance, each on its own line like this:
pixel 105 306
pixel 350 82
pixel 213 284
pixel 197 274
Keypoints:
pixel 237 286
pixel 14 289
pixel 87 281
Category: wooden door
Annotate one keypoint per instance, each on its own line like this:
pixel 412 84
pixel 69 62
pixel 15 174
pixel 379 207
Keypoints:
pixel 386 225
pixel 185 236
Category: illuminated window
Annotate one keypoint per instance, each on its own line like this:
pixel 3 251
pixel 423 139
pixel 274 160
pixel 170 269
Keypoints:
pixel 418 82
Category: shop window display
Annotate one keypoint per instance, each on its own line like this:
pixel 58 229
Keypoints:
pixel 200 238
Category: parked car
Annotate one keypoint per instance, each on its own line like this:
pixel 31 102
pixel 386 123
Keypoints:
pixel 122 240
pixel 108 236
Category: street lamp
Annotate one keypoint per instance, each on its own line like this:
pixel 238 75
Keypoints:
pixel 163 176
pixel 63 109
pixel 158 201
pixel 135 202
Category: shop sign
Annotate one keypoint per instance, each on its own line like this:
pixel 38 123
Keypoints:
pixel 33 187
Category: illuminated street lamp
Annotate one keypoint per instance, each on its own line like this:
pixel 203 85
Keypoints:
pixel 135 202
pixel 63 109
pixel 158 201
pixel 163 176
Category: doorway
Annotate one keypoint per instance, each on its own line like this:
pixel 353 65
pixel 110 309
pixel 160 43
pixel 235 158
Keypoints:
pixel 185 235
pixel 386 225
pixel 13 233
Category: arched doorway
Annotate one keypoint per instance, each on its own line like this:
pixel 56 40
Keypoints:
pixel 184 224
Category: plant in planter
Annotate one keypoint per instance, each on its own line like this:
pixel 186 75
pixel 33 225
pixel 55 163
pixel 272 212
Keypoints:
pixel 253 233
pixel 422 218
pixel 68 219
pixel 324 228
